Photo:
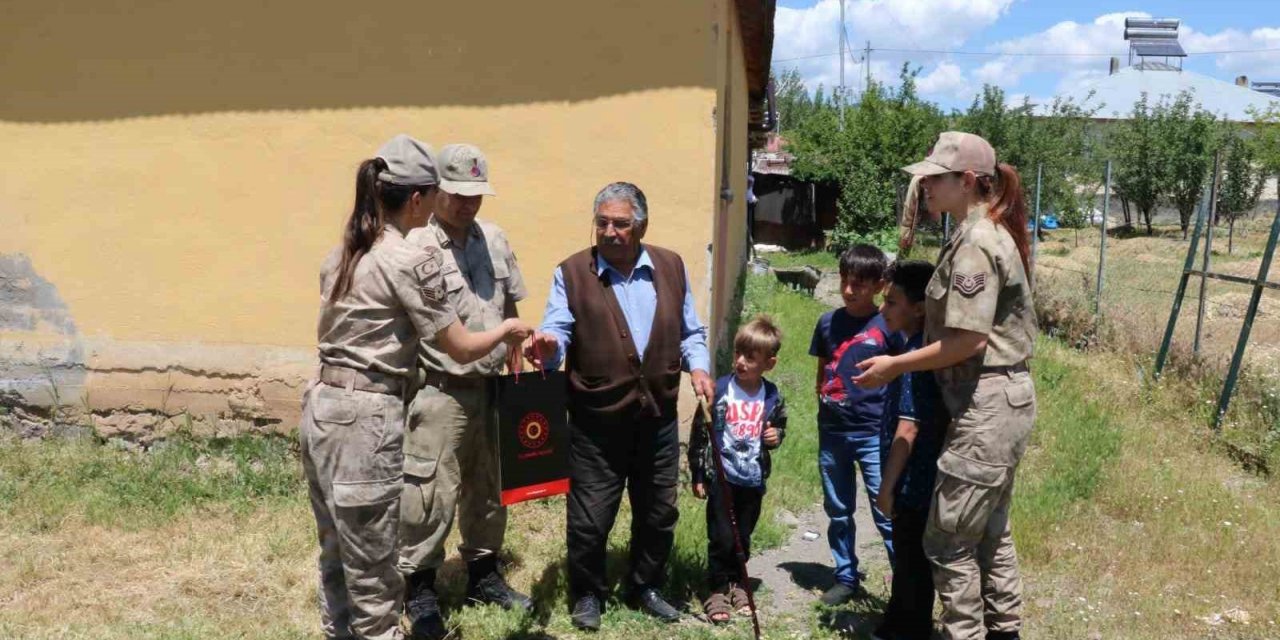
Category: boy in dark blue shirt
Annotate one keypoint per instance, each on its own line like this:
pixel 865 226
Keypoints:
pixel 911 439
pixel 849 416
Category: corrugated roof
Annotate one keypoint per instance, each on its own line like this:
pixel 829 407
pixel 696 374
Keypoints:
pixel 1118 92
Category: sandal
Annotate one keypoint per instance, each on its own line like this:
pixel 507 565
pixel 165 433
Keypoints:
pixel 738 600
pixel 717 608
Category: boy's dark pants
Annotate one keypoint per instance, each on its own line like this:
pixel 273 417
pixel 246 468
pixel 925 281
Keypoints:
pixel 722 558
pixel 909 614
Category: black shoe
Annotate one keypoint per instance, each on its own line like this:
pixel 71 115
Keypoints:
pixel 485 585
pixel 842 593
pixel 651 602
pixel 423 607
pixel 586 613
pixel 1003 635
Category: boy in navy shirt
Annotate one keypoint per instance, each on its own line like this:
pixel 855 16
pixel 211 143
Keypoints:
pixel 849 416
pixel 749 420
pixel 911 439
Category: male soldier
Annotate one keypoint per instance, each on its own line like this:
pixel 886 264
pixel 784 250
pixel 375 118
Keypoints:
pixel 451 424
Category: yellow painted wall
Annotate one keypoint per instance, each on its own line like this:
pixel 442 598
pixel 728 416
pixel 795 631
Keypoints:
pixel 732 153
pixel 176 171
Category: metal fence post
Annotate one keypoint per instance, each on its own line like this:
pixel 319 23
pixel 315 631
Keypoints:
pixel 1035 233
pixel 1102 246
pixel 1208 251
pixel 1264 269
pixel 1181 293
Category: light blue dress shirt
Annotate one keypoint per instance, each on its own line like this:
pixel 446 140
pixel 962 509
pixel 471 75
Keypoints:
pixel 639 302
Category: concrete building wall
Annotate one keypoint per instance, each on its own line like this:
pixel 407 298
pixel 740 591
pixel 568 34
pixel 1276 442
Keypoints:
pixel 174 172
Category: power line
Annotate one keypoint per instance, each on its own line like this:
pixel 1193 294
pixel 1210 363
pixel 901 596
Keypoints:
pixel 1025 55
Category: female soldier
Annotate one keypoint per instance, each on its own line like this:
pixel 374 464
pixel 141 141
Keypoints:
pixel 981 324
pixel 378 295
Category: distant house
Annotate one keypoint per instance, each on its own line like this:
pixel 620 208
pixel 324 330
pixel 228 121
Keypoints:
pixel 792 213
pixel 1155 70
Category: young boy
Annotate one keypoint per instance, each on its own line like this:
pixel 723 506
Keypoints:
pixel 911 439
pixel 849 416
pixel 749 419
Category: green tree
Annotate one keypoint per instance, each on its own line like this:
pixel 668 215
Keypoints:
pixel 1141 166
pixel 1242 180
pixel 1192 137
pixel 792 100
pixel 1266 139
pixel 884 131
pixel 1054 137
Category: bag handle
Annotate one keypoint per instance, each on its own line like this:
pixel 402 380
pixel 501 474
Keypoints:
pixel 537 355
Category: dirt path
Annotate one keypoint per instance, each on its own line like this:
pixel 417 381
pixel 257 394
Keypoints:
pixel 795 574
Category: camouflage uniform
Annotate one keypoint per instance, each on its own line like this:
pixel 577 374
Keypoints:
pixel 980 285
pixel 352 428
pixel 452 418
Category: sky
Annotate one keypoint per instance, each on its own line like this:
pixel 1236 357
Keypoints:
pixel 807 38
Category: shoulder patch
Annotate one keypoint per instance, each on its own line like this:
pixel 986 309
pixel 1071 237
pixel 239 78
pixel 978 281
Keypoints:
pixel 427 269
pixel 969 285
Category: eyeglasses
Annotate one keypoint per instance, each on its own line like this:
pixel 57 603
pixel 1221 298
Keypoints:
pixel 618 225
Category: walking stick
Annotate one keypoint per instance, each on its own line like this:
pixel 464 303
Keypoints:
pixel 733 517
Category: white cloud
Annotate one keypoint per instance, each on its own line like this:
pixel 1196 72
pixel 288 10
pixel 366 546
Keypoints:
pixel 894 24
pixel 955 24
pixel 946 79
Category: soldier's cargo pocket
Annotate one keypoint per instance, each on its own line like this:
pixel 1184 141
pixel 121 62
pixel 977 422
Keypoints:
pixel 1020 393
pixel 333 410
pixel 966 493
pixel 363 494
pixel 367 516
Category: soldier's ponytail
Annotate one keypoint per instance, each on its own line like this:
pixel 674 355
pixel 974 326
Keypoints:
pixel 363 226
pixel 1008 207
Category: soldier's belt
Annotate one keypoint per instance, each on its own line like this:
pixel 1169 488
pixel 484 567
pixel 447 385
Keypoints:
pixel 370 381
pixel 445 381
pixel 1009 370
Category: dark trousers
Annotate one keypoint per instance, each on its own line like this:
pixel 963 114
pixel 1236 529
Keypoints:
pixel 909 614
pixel 722 558
pixel 642 456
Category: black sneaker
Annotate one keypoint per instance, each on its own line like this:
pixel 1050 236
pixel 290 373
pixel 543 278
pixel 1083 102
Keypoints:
pixel 842 593
pixel 485 585
pixel 651 602
pixel 1003 635
pixel 586 613
pixel 423 607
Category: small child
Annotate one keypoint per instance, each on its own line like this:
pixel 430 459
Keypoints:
pixel 911 439
pixel 749 419
pixel 849 416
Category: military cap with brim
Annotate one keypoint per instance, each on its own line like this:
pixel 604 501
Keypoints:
pixel 464 171
pixel 410 162
pixel 956 151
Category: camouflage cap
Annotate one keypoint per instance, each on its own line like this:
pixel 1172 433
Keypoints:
pixel 956 151
pixel 464 171
pixel 410 162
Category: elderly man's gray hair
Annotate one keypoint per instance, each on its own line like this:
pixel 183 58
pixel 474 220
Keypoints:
pixel 624 192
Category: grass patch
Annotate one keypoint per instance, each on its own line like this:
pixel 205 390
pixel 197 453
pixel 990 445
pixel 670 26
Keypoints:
pixel 43 484
pixel 824 260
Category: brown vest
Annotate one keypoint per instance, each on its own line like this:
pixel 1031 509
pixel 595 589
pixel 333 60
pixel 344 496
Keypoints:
pixel 608 380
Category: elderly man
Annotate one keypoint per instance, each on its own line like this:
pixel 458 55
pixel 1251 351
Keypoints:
pixel 450 436
pixel 622 314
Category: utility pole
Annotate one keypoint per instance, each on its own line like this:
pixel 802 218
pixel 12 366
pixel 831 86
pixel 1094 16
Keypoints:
pixel 843 46
pixel 866 63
